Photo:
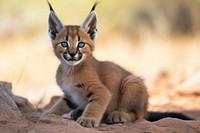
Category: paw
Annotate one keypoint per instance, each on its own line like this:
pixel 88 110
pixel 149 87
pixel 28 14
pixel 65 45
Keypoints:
pixel 87 122
pixel 75 114
pixel 116 117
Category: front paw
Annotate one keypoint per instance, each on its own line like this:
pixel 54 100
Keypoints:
pixel 88 122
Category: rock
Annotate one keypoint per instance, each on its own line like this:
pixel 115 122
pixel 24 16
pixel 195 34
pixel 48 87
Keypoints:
pixel 8 107
pixel 11 105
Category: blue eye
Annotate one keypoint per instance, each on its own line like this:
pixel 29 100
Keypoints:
pixel 81 44
pixel 64 44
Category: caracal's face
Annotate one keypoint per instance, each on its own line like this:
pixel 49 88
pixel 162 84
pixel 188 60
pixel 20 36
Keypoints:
pixel 73 45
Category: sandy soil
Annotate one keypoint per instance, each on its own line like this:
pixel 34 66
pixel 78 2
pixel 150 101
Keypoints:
pixel 29 123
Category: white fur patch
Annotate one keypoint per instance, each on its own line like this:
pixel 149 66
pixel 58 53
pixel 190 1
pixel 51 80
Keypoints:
pixel 72 63
pixel 76 95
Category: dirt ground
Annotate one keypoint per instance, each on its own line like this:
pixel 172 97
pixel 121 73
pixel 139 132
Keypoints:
pixel 58 124
pixel 176 101
pixel 30 124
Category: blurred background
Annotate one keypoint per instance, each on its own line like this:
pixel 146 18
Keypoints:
pixel 157 40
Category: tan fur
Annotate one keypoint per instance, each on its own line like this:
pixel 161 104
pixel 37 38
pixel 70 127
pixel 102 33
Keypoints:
pixel 94 91
pixel 99 88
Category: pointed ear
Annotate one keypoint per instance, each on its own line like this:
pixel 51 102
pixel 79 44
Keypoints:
pixel 90 24
pixel 55 25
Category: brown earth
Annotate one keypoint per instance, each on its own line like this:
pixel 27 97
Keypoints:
pixel 30 123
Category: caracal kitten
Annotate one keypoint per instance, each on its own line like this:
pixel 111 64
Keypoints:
pixel 94 91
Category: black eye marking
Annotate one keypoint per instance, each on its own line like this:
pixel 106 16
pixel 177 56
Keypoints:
pixel 64 44
pixel 67 38
pixel 79 38
pixel 81 44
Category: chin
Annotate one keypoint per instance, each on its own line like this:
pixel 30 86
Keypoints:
pixel 73 62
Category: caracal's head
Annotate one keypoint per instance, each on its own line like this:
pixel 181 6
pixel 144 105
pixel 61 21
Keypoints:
pixel 72 43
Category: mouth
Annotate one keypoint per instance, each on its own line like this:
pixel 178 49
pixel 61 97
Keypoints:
pixel 72 60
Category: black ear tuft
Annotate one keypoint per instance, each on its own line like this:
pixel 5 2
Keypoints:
pixel 94 6
pixel 50 7
pixel 90 23
pixel 55 25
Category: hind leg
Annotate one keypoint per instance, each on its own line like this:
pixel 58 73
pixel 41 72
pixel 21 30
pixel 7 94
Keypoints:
pixel 76 113
pixel 120 117
pixel 133 99
pixel 61 107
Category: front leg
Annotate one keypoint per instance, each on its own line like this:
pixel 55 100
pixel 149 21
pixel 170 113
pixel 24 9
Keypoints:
pixel 61 107
pixel 98 99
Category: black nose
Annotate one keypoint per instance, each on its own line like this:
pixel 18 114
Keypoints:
pixel 72 54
